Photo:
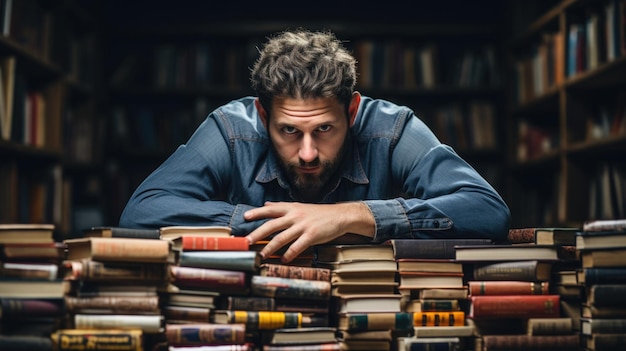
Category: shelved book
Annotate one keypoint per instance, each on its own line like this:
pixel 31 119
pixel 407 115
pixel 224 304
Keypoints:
pixel 514 306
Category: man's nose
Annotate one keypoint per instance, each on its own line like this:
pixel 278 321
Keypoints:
pixel 308 149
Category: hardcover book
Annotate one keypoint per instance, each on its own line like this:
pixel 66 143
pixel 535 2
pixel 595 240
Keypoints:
pixel 186 314
pixel 607 295
pixel 369 265
pixel 396 321
pixel 439 318
pixel 35 289
pixel 600 240
pixel 287 288
pixel 340 253
pixel 422 280
pixel 214 243
pixel 87 269
pixel 121 232
pixel 17 233
pixel 507 287
pixel 120 249
pixel 197 334
pixel 294 272
pixel 514 306
pixel 266 320
pixel 462 331
pixel 543 235
pixel 366 303
pixel 603 258
pixel 170 232
pixel 15 309
pixel 533 271
pixel 52 252
pixel 297 336
pixel 429 265
pixel 531 342
pixel 148 323
pixel 113 304
pixel 591 326
pixel 431 248
pixel 217 280
pixel 520 252
pixel 602 275
pixel 433 305
pixel 432 343
pixel 247 261
pixel 103 339
pixel 605 225
pixel 549 326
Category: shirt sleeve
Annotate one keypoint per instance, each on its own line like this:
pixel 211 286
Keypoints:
pixel 443 196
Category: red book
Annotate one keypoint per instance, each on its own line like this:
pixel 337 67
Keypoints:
pixel 208 279
pixel 514 306
pixel 214 243
pixel 505 287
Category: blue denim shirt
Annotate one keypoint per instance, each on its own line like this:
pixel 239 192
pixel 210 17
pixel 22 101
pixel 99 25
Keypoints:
pixel 415 186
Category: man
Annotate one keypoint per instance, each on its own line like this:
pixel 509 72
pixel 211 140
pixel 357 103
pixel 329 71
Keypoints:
pixel 310 160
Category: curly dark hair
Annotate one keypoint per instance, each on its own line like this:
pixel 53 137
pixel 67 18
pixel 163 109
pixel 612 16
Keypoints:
pixel 303 64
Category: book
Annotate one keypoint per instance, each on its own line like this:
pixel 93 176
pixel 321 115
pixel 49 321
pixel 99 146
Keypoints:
pixel 148 323
pixel 601 275
pixel 432 305
pixel 53 252
pixel 340 276
pixel 600 240
pixel 112 304
pixel 429 265
pixel 365 345
pixel 186 314
pixel 543 235
pixel 304 306
pixel 339 253
pixel 87 269
pixel 466 330
pixel 592 311
pixel 25 343
pixel 24 270
pixel 246 303
pixel 549 326
pixel 217 280
pixel 306 335
pixel 294 272
pixel 169 232
pixel 591 326
pixel 19 308
pixel 439 318
pixel 370 265
pixel 607 295
pixel 413 343
pixel 121 232
pixel 603 258
pixel 530 342
pixel 32 288
pixel 396 321
pixel 21 233
pixel 421 280
pixel 97 288
pixel 366 335
pixel 214 243
pixel 432 248
pixel 601 225
pixel 287 288
pixel 103 339
pixel 514 306
pixel 520 252
pixel 365 303
pixel 507 287
pixel 191 298
pixel 120 249
pixel 524 235
pixel 334 346
pixel 247 261
pixel 204 333
pixel 266 320
pixel 534 271
pixel 442 293
pixel 343 288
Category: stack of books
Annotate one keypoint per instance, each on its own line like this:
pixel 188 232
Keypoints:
pixel 511 301
pixel 115 276
pixel 602 248
pixel 31 286
pixel 364 283
pixel 433 287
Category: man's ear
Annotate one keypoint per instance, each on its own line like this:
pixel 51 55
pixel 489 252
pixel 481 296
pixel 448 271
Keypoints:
pixel 354 106
pixel 262 112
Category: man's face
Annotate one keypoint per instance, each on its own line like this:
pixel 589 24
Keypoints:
pixel 309 139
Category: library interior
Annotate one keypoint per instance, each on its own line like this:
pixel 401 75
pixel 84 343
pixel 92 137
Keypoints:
pixel 96 94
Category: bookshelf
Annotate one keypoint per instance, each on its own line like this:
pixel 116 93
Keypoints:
pixel 49 86
pixel 179 72
pixel 566 124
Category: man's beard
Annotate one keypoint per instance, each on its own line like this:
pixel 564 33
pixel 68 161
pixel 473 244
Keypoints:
pixel 312 188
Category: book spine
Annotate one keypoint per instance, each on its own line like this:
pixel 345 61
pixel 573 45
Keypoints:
pixel 211 243
pixel 15 308
pixel 184 313
pixel 119 232
pixel 290 288
pixel 605 225
pixel 147 323
pixel 296 272
pixel 438 305
pixel 607 295
pixel 400 321
pixel 25 343
pixel 436 319
pixel 519 270
pixel 118 304
pixel 549 326
pixel 90 339
pixel 521 235
pixel 431 249
pixel 604 326
pixel 265 320
pixel 247 261
pixel 249 303
pixel 107 249
pixel 531 342
pixel 606 341
pixel 434 344
pixel 514 306
pixel 210 279
pixel 205 333
pixel 493 287
pixel 29 271
pixel 95 270
pixel 593 276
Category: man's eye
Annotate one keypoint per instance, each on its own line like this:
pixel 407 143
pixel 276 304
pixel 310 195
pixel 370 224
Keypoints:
pixel 289 130
pixel 324 128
